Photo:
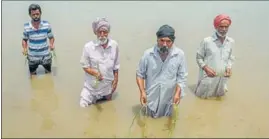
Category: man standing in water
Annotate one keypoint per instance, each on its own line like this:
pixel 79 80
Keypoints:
pixel 36 32
pixel 215 59
pixel 162 74
pixel 100 61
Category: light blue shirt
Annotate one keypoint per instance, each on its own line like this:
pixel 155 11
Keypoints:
pixel 161 78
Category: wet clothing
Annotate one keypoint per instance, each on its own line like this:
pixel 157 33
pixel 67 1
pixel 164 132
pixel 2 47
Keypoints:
pixel 105 60
pixel 38 47
pixel 34 62
pixel 161 79
pixel 218 57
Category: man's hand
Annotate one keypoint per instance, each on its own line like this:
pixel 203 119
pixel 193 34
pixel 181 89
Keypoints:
pixel 143 98
pixel 228 72
pixel 114 85
pixel 176 98
pixel 99 76
pixel 210 72
pixel 109 97
pixel 24 51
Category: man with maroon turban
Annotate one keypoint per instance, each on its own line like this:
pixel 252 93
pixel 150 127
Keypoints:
pixel 214 58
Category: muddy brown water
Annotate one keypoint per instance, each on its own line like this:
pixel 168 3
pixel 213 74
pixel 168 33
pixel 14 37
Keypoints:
pixel 47 106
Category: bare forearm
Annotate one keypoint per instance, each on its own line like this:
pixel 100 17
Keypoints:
pixel 116 75
pixel 141 84
pixel 51 41
pixel 24 44
pixel 91 71
pixel 178 90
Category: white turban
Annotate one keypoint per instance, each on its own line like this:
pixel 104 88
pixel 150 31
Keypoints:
pixel 100 23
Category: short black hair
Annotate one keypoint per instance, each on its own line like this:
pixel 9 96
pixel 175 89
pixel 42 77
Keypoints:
pixel 34 7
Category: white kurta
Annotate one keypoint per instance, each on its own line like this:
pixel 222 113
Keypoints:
pixel 103 60
pixel 218 57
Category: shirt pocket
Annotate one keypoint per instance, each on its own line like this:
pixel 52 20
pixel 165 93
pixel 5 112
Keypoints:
pixel 94 62
pixel 226 53
pixel 210 51
pixel 109 61
pixel 171 71
pixel 152 67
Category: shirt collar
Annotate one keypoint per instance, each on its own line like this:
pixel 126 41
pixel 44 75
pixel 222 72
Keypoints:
pixel 215 37
pixel 40 25
pixel 108 45
pixel 155 52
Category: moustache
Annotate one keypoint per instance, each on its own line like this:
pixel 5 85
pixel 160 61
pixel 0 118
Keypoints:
pixel 36 19
pixel 163 49
pixel 103 40
pixel 222 32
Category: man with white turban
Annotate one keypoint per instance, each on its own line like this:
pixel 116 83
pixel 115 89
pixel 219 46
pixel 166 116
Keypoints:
pixel 100 61
pixel 162 74
pixel 215 59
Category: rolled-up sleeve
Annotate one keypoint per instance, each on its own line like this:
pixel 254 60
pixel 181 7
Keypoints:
pixel 182 74
pixel 142 67
pixel 200 55
pixel 231 59
pixel 85 58
pixel 117 60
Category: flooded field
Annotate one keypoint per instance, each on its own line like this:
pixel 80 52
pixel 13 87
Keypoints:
pixel 48 106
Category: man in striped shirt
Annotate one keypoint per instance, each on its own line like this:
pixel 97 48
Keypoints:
pixel 34 42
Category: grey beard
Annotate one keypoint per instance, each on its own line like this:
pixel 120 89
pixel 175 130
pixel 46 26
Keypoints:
pixel 163 49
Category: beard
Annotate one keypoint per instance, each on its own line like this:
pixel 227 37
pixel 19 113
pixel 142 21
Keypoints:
pixel 102 40
pixel 37 19
pixel 221 34
pixel 163 49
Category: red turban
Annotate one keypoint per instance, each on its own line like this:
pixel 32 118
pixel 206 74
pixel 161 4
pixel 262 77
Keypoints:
pixel 221 17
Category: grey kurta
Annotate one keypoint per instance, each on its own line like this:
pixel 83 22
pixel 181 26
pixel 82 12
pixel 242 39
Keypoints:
pixel 161 79
pixel 217 56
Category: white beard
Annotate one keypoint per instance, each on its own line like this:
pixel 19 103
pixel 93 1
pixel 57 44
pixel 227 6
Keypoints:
pixel 220 35
pixel 102 41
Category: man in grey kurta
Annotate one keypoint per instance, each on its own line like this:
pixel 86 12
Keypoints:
pixel 162 74
pixel 215 59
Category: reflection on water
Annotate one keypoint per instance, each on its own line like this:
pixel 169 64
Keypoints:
pixel 141 126
pixel 48 106
pixel 140 116
pixel 104 120
pixel 44 100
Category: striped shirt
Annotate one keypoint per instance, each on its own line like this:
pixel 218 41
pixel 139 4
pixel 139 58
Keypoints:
pixel 38 38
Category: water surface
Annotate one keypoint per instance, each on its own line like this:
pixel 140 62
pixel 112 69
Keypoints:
pixel 48 105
